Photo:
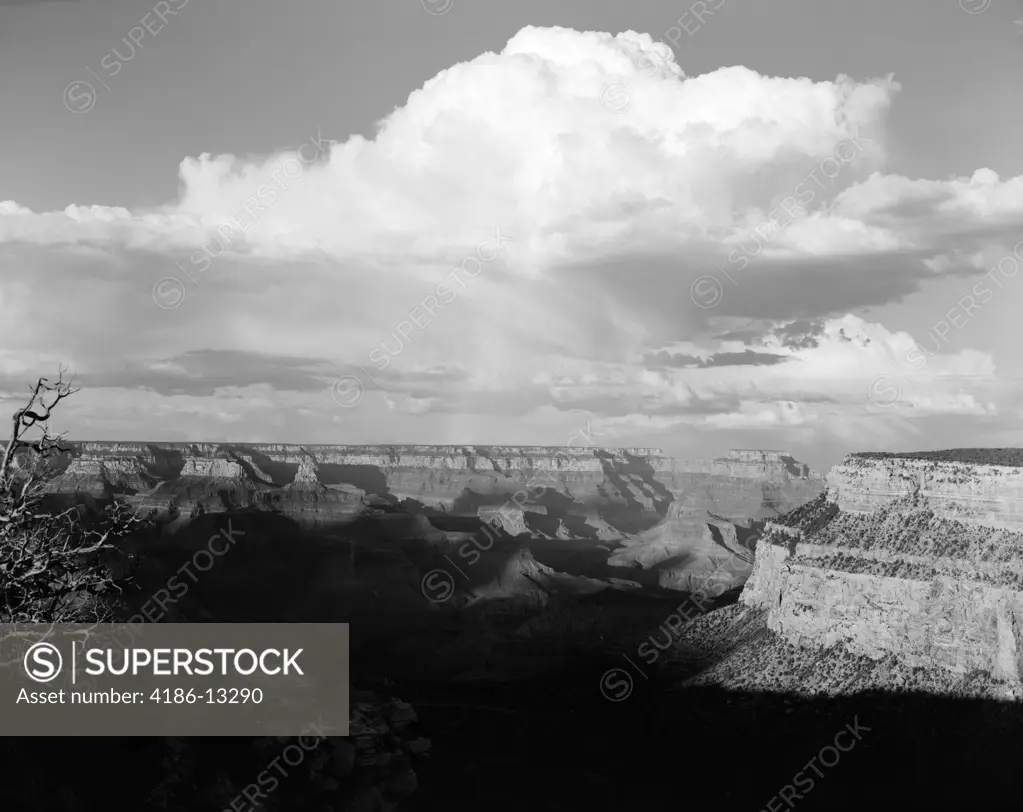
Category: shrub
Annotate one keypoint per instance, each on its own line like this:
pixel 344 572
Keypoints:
pixel 56 566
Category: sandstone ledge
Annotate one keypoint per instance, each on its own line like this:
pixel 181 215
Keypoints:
pixel 920 559
pixel 929 612
pixel 987 495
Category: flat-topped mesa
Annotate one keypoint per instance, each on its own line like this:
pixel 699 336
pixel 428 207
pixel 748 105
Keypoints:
pixel 212 468
pixel 978 492
pixel 745 464
pixel 759 455
pixel 101 476
pixel 904 555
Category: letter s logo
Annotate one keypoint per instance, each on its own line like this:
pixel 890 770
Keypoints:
pixel 39 662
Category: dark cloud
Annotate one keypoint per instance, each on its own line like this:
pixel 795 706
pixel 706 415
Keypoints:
pixel 526 400
pixel 922 207
pixel 745 358
pixel 745 336
pixel 659 289
pixel 439 376
pixel 800 334
pixel 202 372
pixel 667 359
pixel 625 404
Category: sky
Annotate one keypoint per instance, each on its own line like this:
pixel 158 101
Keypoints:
pixel 694 226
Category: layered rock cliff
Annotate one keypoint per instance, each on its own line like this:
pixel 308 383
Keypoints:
pixel 905 557
pixel 981 494
pixel 341 480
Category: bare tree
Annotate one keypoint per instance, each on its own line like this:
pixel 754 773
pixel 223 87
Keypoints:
pixel 56 566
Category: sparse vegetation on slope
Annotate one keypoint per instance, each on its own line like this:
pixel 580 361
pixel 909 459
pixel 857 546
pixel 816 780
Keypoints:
pixel 812 516
pixel 977 456
pixel 748 656
pixel 903 528
pixel 900 568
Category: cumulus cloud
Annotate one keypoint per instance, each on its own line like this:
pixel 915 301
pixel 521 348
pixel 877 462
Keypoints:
pixel 519 139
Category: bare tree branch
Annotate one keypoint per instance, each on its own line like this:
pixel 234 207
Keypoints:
pixel 55 566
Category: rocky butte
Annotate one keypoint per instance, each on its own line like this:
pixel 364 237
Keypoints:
pixel 668 515
pixel 912 561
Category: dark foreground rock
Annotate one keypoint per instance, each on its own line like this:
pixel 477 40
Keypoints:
pixel 372 770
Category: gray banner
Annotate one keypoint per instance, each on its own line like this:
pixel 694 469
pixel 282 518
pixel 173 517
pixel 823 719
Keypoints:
pixel 174 679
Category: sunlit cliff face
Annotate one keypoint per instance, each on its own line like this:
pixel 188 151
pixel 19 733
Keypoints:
pixel 913 557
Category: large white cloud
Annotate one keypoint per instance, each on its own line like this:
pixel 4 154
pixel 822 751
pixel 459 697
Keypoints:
pixel 529 140
pixel 526 140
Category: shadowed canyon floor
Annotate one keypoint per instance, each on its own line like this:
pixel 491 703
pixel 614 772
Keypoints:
pixel 519 721
pixel 563 671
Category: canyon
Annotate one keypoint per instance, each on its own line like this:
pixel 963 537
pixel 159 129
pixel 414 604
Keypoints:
pixel 887 591
pixel 911 558
pixel 669 518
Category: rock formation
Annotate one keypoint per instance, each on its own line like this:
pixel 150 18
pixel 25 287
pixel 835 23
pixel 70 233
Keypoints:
pixel 982 494
pixel 692 545
pixel 635 485
pixel 674 519
pixel 907 558
pixel 522 580
pixel 377 758
pixel 715 515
